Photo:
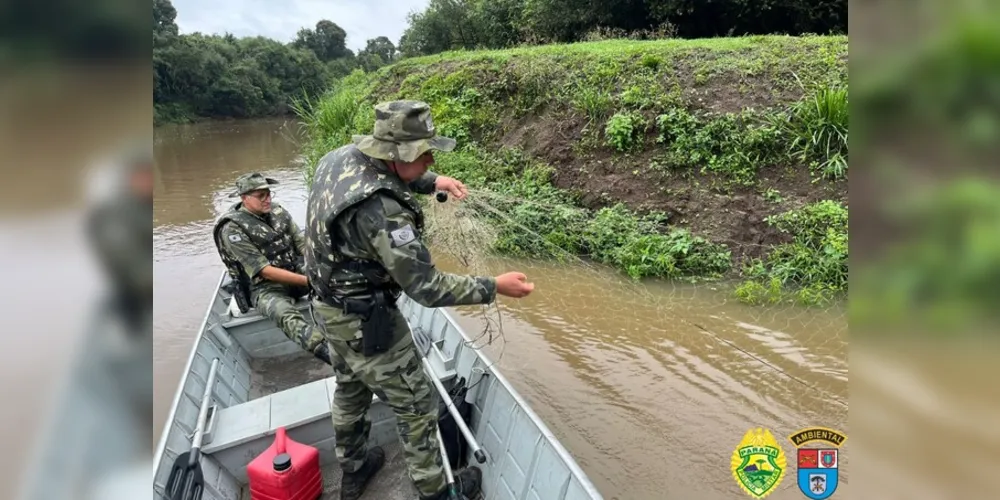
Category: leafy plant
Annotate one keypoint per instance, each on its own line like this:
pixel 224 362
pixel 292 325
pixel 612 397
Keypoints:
pixel 815 261
pixel 736 145
pixel 624 131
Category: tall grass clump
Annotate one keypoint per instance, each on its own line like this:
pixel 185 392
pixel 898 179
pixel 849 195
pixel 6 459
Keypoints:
pixel 335 117
pixel 817 126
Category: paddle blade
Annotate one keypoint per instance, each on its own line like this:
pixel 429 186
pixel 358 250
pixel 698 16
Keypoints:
pixel 192 485
pixel 176 478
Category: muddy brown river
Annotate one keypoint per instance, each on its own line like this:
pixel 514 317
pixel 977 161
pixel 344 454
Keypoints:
pixel 651 389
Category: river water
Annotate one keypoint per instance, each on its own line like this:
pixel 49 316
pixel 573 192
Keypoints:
pixel 651 389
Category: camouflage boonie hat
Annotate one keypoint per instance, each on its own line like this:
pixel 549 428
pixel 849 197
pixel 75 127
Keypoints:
pixel 404 130
pixel 251 182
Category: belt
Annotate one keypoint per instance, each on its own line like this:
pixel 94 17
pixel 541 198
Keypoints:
pixel 362 307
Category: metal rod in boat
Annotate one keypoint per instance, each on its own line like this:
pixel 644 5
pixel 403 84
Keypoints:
pixel 476 450
pixel 448 475
pixel 206 399
pixel 423 344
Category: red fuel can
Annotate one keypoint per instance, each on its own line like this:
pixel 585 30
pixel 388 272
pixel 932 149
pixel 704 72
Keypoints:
pixel 287 470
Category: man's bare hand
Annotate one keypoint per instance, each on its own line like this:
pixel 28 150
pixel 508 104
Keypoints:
pixel 514 284
pixel 452 186
pixel 282 276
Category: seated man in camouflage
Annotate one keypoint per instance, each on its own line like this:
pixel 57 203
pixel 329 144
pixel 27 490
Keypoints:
pixel 262 249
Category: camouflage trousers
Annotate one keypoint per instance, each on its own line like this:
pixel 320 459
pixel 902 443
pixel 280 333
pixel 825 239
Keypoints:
pixel 277 302
pixel 397 377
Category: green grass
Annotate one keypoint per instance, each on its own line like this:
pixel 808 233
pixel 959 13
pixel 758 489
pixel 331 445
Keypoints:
pixel 333 119
pixel 733 145
pixel 624 48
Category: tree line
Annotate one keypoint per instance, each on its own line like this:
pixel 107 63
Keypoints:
pixel 198 75
pixel 222 76
pixel 494 24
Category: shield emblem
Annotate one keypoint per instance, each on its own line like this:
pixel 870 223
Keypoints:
pixel 818 484
pixel 817 478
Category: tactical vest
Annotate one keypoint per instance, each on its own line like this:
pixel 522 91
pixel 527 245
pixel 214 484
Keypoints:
pixel 274 241
pixel 344 178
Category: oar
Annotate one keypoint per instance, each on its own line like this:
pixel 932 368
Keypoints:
pixel 186 480
pixel 423 347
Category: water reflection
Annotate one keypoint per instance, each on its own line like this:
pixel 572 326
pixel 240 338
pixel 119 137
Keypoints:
pixel 197 164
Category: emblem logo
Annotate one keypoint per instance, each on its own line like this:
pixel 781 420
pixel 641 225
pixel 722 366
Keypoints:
pixel 818 467
pixel 402 236
pixel 758 463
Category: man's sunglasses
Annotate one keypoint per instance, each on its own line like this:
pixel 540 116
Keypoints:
pixel 260 195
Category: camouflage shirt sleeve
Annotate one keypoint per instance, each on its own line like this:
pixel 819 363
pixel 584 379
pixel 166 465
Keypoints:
pixel 393 238
pixel 424 184
pixel 238 244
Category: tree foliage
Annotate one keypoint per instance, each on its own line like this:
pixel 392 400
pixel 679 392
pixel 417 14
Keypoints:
pixel 327 41
pixel 377 53
pixel 222 76
pixel 490 24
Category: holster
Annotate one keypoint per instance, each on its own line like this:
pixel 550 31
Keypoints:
pixel 376 325
pixel 240 290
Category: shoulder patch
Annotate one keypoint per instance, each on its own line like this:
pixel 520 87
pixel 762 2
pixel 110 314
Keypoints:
pixel 402 236
pixel 234 238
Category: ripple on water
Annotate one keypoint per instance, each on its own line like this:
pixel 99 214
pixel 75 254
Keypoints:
pixel 194 238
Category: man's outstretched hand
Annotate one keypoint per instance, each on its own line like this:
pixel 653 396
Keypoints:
pixel 514 284
pixel 452 186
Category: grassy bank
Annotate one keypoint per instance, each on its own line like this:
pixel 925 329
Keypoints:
pixel 673 158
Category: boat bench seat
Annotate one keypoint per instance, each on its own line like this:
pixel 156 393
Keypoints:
pixel 238 433
pixel 253 316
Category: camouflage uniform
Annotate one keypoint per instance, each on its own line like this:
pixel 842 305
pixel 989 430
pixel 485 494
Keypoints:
pixel 248 243
pixel 375 253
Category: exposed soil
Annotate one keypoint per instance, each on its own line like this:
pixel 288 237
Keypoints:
pixel 710 206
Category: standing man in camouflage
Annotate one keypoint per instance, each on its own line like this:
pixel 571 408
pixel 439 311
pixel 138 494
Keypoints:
pixel 262 249
pixel 363 249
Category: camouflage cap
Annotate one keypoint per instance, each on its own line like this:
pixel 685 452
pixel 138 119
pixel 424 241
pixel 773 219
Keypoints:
pixel 251 182
pixel 403 131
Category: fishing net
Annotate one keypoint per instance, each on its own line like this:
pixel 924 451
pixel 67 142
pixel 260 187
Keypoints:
pixel 594 316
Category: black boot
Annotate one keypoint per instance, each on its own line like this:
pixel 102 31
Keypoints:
pixel 353 485
pixel 468 483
